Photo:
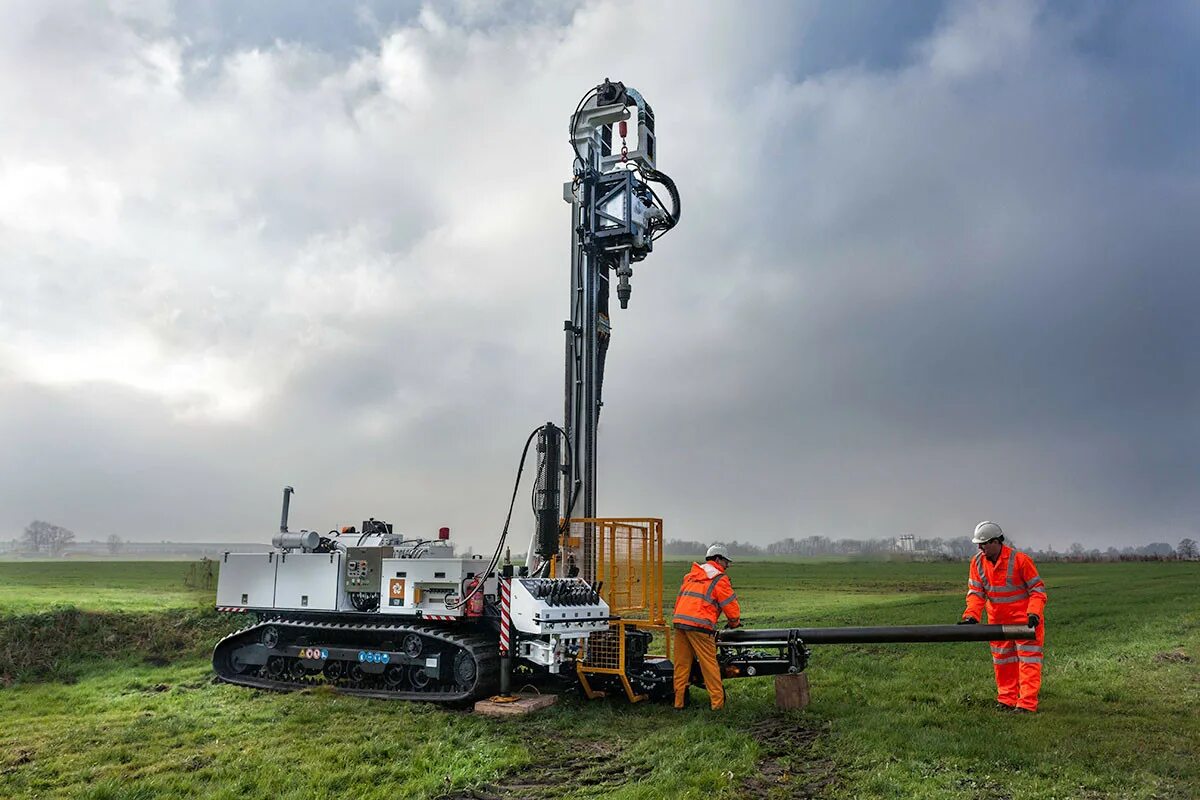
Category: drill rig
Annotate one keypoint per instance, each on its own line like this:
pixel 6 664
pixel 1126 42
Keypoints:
pixel 376 613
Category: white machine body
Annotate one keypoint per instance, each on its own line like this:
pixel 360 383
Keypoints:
pixel 539 607
pixel 428 587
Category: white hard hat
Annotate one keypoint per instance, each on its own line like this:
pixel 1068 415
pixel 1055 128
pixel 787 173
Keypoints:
pixel 986 531
pixel 718 550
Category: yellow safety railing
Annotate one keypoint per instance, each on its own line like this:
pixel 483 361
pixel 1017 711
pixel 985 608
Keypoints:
pixel 625 554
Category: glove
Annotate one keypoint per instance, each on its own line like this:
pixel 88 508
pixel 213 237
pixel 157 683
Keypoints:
pixel 968 621
pixel 1034 620
pixel 733 623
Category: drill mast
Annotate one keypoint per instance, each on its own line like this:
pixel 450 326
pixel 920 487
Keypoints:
pixel 615 218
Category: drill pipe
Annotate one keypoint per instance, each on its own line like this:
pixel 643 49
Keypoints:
pixel 875 635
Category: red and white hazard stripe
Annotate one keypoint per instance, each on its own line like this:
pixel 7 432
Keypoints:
pixel 233 609
pixel 505 619
pixel 439 617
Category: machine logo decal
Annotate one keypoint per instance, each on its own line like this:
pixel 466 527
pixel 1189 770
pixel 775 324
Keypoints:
pixel 372 657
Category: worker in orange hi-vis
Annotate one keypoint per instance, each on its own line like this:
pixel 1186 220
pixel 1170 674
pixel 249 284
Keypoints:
pixel 1007 584
pixel 706 594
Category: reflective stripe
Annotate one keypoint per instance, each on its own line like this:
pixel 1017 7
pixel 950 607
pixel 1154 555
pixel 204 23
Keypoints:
pixel 699 623
pixel 1002 651
pixel 712 587
pixel 727 601
pixel 996 593
pixel 1030 659
pixel 1030 648
pixel 697 595
pixel 1009 660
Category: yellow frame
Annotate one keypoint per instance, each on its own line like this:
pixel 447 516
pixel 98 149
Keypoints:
pixel 642 565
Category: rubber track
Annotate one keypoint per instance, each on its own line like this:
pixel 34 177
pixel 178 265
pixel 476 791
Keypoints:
pixel 483 648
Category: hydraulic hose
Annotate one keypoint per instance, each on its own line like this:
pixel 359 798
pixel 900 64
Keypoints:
pixel 504 532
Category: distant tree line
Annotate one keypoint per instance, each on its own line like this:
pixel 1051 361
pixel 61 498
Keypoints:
pixel 44 538
pixel 953 549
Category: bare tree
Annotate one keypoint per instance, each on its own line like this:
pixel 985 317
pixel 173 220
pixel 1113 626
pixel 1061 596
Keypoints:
pixel 114 544
pixel 43 537
pixel 1188 550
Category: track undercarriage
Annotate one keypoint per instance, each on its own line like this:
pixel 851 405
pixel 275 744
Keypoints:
pixel 396 661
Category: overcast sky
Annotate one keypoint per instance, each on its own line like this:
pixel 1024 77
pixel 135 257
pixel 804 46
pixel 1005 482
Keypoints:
pixel 936 264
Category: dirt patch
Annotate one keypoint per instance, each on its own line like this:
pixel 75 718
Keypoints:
pixel 790 766
pixel 196 762
pixel 23 756
pixel 1173 657
pixel 983 789
pixel 19 758
pixel 569 765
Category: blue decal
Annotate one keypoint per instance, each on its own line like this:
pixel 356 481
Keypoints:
pixel 324 653
pixel 386 658
pixel 362 656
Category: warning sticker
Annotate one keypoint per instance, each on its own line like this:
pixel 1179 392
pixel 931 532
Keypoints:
pixel 396 589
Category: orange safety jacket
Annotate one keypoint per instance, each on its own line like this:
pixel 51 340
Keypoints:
pixel 1010 589
pixel 706 593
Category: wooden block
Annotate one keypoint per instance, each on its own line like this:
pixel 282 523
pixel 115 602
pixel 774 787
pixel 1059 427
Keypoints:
pixel 791 691
pixel 524 704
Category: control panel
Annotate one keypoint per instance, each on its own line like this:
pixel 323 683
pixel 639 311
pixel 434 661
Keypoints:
pixel 363 567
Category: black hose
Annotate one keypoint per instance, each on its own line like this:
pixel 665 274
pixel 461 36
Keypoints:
pixel 655 176
pixel 574 116
pixel 507 520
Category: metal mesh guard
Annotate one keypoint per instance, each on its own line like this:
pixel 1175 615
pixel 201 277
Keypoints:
pixel 603 650
pixel 626 554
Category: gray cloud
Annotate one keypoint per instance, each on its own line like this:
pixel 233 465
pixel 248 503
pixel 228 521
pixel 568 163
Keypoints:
pixel 929 272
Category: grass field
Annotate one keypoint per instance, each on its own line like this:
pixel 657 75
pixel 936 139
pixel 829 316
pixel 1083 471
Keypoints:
pixel 113 698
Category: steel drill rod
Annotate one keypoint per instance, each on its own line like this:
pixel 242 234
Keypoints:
pixel 877 635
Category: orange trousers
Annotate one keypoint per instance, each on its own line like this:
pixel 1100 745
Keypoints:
pixel 701 646
pixel 1018 667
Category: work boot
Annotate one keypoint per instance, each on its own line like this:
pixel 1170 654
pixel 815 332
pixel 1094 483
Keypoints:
pixel 1006 707
pixel 1026 711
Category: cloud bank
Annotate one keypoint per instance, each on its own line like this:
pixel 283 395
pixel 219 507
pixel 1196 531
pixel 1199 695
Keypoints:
pixel 935 266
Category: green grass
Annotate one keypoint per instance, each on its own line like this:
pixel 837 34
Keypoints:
pixel 27 586
pixel 1118 715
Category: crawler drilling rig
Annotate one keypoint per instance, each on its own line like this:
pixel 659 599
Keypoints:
pixel 374 612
